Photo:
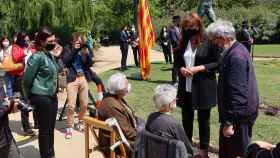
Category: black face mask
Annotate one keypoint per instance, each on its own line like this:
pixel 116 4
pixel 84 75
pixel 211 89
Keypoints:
pixel 50 47
pixel 190 32
pixel 23 44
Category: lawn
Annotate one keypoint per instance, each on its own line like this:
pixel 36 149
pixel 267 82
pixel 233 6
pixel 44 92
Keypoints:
pixel 269 50
pixel 261 50
pixel 266 128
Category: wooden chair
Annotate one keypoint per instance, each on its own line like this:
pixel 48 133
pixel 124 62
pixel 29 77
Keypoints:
pixel 93 125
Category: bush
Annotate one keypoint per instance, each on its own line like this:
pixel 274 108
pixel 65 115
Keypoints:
pixel 265 19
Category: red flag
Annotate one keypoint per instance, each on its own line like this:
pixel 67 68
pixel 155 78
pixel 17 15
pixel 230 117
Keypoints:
pixel 146 38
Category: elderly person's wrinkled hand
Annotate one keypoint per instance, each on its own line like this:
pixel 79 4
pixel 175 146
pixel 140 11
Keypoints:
pixel 186 72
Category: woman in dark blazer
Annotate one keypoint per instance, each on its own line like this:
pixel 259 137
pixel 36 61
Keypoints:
pixel 197 79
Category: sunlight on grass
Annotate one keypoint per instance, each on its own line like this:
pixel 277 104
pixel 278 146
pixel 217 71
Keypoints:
pixel 266 128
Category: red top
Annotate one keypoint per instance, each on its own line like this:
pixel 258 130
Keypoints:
pixel 18 57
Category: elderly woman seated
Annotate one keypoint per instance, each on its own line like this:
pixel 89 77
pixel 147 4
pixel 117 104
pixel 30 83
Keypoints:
pixel 115 106
pixel 161 123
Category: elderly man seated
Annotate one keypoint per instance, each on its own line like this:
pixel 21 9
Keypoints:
pixel 161 123
pixel 115 106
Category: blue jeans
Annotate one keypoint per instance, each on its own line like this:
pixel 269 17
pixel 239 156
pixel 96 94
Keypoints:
pixel 9 81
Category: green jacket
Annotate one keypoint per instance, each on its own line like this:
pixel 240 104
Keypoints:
pixel 41 75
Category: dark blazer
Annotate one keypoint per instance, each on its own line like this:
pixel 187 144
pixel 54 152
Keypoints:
pixel 174 37
pixel 124 39
pixel 238 95
pixel 170 129
pixel 204 84
pixel 68 56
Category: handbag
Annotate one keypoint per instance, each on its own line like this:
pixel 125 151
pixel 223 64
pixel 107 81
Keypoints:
pixel 8 64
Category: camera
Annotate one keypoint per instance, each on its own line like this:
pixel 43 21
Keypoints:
pixel 22 106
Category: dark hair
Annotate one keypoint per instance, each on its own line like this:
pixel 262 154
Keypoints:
pixel 21 38
pixel 44 33
pixel 176 17
pixel 2 39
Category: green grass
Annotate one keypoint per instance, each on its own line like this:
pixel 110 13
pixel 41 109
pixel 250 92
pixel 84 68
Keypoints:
pixel 268 77
pixel 270 50
pixel 266 128
pixel 261 50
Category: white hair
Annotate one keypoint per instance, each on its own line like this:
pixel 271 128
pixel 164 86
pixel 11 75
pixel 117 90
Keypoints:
pixel 164 95
pixel 116 82
pixel 221 28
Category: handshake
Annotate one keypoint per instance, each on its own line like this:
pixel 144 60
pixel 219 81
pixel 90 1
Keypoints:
pixel 16 104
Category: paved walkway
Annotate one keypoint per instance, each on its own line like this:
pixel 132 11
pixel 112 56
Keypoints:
pixel 106 58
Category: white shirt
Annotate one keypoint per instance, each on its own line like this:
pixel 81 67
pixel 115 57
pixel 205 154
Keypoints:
pixel 189 57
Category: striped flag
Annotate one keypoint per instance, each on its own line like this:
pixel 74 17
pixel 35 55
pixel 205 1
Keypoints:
pixel 146 38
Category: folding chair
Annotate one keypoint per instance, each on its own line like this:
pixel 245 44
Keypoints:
pixel 94 125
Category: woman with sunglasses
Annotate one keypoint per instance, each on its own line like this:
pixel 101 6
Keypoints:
pixel 40 87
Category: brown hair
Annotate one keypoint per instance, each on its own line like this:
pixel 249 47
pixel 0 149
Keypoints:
pixel 196 20
pixel 75 36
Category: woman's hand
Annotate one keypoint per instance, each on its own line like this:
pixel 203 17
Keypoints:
pixel 186 72
pixel 196 69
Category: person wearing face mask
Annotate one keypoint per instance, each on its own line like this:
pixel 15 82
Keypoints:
pixel 165 102
pixel 19 51
pixel 40 87
pixel 197 79
pixel 135 45
pixel 166 45
pixel 76 60
pixel 238 97
pixel 5 50
pixel 114 105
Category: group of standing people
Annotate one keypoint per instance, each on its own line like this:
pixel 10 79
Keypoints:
pixel 129 37
pixel 34 71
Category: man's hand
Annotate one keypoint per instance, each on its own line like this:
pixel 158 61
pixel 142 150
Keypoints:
pixel 264 145
pixel 228 131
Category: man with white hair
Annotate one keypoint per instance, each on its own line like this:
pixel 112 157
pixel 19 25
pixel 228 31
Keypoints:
pixel 115 106
pixel 237 91
pixel 161 123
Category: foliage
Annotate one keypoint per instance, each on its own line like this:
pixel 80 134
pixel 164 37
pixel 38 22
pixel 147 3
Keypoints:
pixel 108 16
pixel 65 16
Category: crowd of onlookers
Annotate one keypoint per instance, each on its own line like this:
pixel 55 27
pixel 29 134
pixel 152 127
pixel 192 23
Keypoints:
pixel 35 68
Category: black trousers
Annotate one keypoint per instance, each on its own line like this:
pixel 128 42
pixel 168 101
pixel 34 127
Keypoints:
pixel 167 54
pixel 175 69
pixel 188 118
pixel 235 145
pixel 46 108
pixel 135 55
pixel 10 151
pixel 24 115
pixel 124 50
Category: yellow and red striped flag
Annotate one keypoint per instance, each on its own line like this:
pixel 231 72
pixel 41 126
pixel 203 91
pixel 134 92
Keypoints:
pixel 146 38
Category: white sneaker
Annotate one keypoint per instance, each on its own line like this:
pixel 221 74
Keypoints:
pixel 68 133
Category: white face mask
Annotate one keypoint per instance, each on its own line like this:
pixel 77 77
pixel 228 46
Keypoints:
pixel 6 44
pixel 128 88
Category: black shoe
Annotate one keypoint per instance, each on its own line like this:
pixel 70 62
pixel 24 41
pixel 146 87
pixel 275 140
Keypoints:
pixel 29 132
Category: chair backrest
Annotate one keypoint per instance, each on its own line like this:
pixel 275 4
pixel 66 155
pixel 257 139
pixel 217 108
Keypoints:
pixel 149 145
pixel 93 124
